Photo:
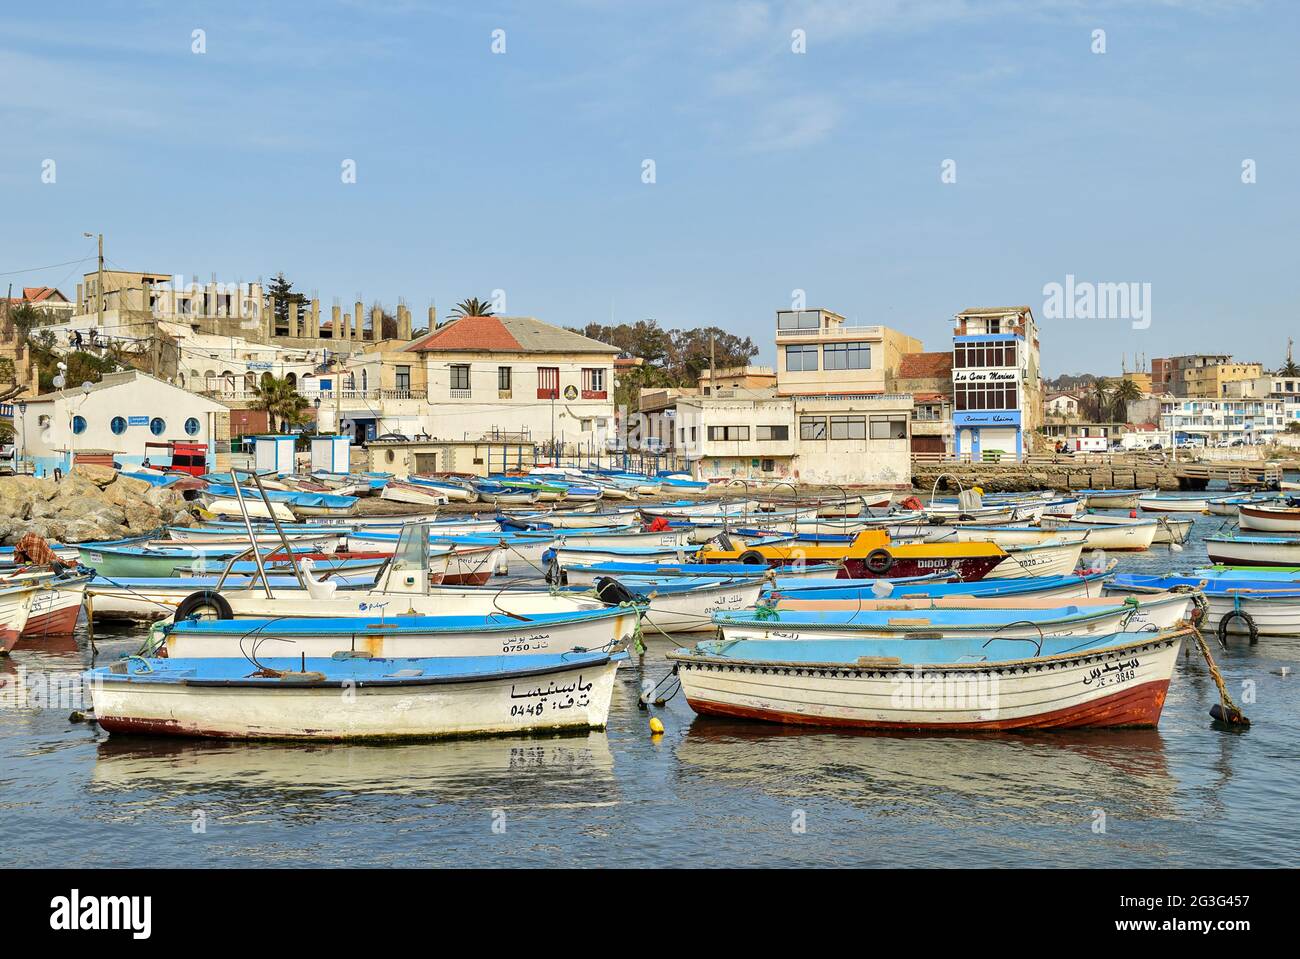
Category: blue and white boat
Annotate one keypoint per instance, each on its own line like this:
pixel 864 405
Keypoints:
pixel 1234 605
pixel 960 685
pixel 1243 550
pixel 1041 587
pixel 588 574
pixel 355 698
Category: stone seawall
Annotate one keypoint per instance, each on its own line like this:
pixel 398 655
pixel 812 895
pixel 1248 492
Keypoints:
pixel 1017 478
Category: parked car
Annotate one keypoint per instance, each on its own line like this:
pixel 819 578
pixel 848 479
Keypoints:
pixel 392 438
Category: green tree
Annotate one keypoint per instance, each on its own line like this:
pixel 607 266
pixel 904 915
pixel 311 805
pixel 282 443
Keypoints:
pixel 284 405
pixel 1126 391
pixel 472 307
pixel 1100 400
pixel 282 290
pixel 1289 368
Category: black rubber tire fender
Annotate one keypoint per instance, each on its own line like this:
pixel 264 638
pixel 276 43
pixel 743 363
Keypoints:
pixel 752 557
pixel 879 561
pixel 1245 617
pixel 204 599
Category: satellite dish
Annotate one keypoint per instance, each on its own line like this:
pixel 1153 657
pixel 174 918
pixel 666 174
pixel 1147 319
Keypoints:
pixel 59 381
pixel 87 386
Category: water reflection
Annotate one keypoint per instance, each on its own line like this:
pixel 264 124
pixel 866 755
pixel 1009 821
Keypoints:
pixel 964 776
pixel 555 771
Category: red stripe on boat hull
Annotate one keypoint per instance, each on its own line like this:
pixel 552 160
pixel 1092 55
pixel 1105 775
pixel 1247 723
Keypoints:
pixel 7 639
pixel 59 622
pixel 1136 707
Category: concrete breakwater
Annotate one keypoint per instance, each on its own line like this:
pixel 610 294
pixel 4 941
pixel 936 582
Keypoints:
pixel 90 503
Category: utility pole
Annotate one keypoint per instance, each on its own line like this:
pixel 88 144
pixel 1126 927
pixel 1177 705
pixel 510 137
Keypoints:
pixel 711 366
pixel 99 281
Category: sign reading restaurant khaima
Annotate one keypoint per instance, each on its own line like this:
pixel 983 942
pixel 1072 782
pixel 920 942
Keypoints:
pixel 984 376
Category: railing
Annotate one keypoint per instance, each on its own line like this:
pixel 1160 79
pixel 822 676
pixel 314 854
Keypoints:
pixel 244 393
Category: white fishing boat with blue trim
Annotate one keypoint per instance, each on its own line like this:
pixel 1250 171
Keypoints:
pixel 1233 605
pixel 958 685
pixel 1243 550
pixel 354 698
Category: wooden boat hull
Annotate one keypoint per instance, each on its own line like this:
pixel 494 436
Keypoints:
pixel 15 606
pixel 1040 560
pixel 1266 551
pixel 1113 499
pixel 1269 519
pixel 1163 505
pixel 1123 686
pixel 511 702
pixel 691 611
pixel 396 492
pixel 1131 538
pixel 967 569
pixel 55 608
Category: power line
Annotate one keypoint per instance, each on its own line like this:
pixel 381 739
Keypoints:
pixel 37 269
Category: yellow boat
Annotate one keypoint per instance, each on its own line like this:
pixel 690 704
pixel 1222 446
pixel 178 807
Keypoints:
pixel 871 555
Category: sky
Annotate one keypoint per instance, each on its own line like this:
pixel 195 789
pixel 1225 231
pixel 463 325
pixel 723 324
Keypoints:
pixel 895 161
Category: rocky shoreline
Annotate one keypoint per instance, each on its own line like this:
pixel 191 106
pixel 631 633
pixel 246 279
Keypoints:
pixel 90 503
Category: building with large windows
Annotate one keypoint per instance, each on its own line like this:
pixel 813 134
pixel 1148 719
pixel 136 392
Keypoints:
pixel 997 391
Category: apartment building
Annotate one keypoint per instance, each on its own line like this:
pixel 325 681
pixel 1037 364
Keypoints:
pixel 1219 421
pixel 1200 375
pixel 996 380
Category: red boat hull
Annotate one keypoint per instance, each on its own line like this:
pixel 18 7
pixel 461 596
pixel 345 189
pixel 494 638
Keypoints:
pixel 1137 707
pixel 967 569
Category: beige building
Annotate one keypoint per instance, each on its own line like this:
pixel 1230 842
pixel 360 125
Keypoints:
pixel 816 352
pixel 489 376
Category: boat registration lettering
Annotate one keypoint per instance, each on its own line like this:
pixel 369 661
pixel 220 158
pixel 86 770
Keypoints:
pixel 1112 674
pixel 526 644
pixel 95 557
pixel 536 700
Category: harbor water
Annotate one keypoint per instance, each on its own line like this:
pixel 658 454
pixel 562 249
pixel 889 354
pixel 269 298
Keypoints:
pixel 706 793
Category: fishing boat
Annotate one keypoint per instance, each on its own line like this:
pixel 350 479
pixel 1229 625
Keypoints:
pixel 1253 550
pixel 1269 518
pixel 578 518
pixel 15 606
pixel 354 698
pixel 56 604
pixel 323 538
pixel 1135 536
pixel 392 636
pixel 1237 605
pixel 455 488
pixel 1159 610
pixel 217 507
pixel 504 495
pixel 1173 504
pixel 1169 529
pixel 871 554
pixel 400 491
pixel 566 555
pixel 1033 587
pixel 1006 536
pixel 982 684
pixel 385 540
pixel 1112 498
pixel 846 622
pixel 162 559
pixel 580 575
pixel 1052 558
pixel 300 504
pixel 686 604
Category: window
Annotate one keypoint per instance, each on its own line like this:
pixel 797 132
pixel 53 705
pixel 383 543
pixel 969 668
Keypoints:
pixel 846 356
pixel 849 427
pixel 593 384
pixel 503 379
pixel 403 378
pixel 769 466
pixel 548 382
pixel 799 359
pixel 585 425
pixel 927 412
pixel 192 426
pixel 798 320
pixel 78 425
pixel 984 396
pixel 724 433
pixel 984 354
pixel 889 427
pixel 460 378
pixel 118 425
pixel 812 427
pixel 772 433
pixel 157 426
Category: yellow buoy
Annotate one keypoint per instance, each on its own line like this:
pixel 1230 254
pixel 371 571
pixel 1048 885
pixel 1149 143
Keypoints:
pixel 656 726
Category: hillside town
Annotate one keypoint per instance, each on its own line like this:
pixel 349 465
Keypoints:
pixel 135 363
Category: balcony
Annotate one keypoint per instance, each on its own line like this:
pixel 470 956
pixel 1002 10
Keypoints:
pixel 548 394
pixel 595 395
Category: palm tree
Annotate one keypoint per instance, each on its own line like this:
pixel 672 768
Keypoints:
pixel 1126 391
pixel 1290 369
pixel 281 400
pixel 472 307
pixel 1100 399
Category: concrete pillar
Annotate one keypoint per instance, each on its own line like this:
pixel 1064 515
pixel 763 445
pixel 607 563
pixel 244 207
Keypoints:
pixel 376 324
pixel 433 318
pixel 337 319
pixel 293 317
pixel 357 328
pixel 268 315
pixel 313 327
pixel 403 323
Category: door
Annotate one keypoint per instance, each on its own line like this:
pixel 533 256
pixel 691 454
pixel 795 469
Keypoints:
pixel 426 462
